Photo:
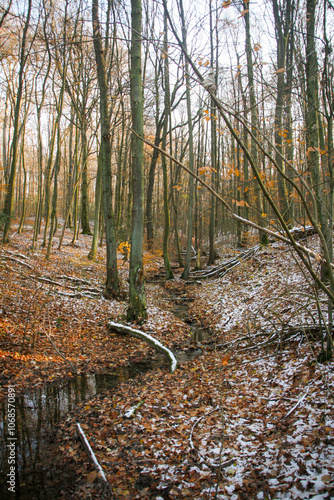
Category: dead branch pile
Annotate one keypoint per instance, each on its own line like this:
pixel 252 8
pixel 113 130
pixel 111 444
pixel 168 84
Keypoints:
pixel 69 286
pixel 225 267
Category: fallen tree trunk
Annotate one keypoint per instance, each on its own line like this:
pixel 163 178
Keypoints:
pixel 222 269
pixel 148 338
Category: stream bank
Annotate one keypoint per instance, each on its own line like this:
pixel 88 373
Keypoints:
pixel 39 412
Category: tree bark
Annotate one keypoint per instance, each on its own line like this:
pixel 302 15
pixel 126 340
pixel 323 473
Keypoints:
pixel 9 199
pixel 254 112
pixel 112 282
pixel 137 303
pixel 168 269
pixel 186 270
pixel 98 194
pixel 282 28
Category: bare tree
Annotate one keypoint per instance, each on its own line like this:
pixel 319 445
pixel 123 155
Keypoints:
pixel 8 207
pixel 112 282
pixel 137 303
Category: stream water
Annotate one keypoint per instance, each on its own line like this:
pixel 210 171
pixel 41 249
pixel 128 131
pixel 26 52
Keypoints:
pixel 36 414
pixel 38 411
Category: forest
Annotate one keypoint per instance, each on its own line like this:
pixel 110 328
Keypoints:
pixel 166 254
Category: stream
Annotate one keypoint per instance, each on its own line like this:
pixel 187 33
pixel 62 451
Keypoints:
pixel 38 412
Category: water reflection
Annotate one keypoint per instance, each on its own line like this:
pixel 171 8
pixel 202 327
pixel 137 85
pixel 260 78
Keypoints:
pixel 199 333
pixel 37 413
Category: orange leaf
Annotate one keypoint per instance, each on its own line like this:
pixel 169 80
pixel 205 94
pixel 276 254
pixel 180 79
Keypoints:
pixel 225 360
pixel 202 170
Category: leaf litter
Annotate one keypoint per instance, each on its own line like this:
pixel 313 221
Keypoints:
pixel 252 417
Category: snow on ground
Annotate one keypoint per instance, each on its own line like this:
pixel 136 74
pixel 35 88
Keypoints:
pixel 246 420
pixel 268 292
pixel 243 421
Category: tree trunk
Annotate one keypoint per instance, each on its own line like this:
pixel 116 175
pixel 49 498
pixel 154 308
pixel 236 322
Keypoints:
pixel 324 210
pixel 150 188
pixel 23 210
pixel 53 221
pixel 98 194
pixel 112 282
pixel 137 303
pixel 282 28
pixel 186 271
pixel 9 199
pixel 76 186
pixel 254 113
pixel 168 269
pixel 84 181
pixel 213 124
pixel 312 125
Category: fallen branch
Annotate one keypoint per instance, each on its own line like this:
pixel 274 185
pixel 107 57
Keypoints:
pixel 196 423
pixel 222 269
pixel 15 254
pixel 237 363
pixel 79 295
pixel 296 405
pixel 74 279
pixel 18 261
pixel 91 453
pixel 208 464
pixel 82 293
pixel 148 338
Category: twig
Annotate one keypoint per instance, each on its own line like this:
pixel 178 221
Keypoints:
pixel 211 466
pixel 91 454
pixel 196 423
pixel 297 404
pixel 18 261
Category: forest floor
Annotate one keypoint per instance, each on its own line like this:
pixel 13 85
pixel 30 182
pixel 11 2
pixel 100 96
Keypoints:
pixel 250 417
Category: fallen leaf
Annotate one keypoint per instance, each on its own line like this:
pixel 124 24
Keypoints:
pixel 91 476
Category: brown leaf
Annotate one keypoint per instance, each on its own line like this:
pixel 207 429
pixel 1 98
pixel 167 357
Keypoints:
pixel 91 476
